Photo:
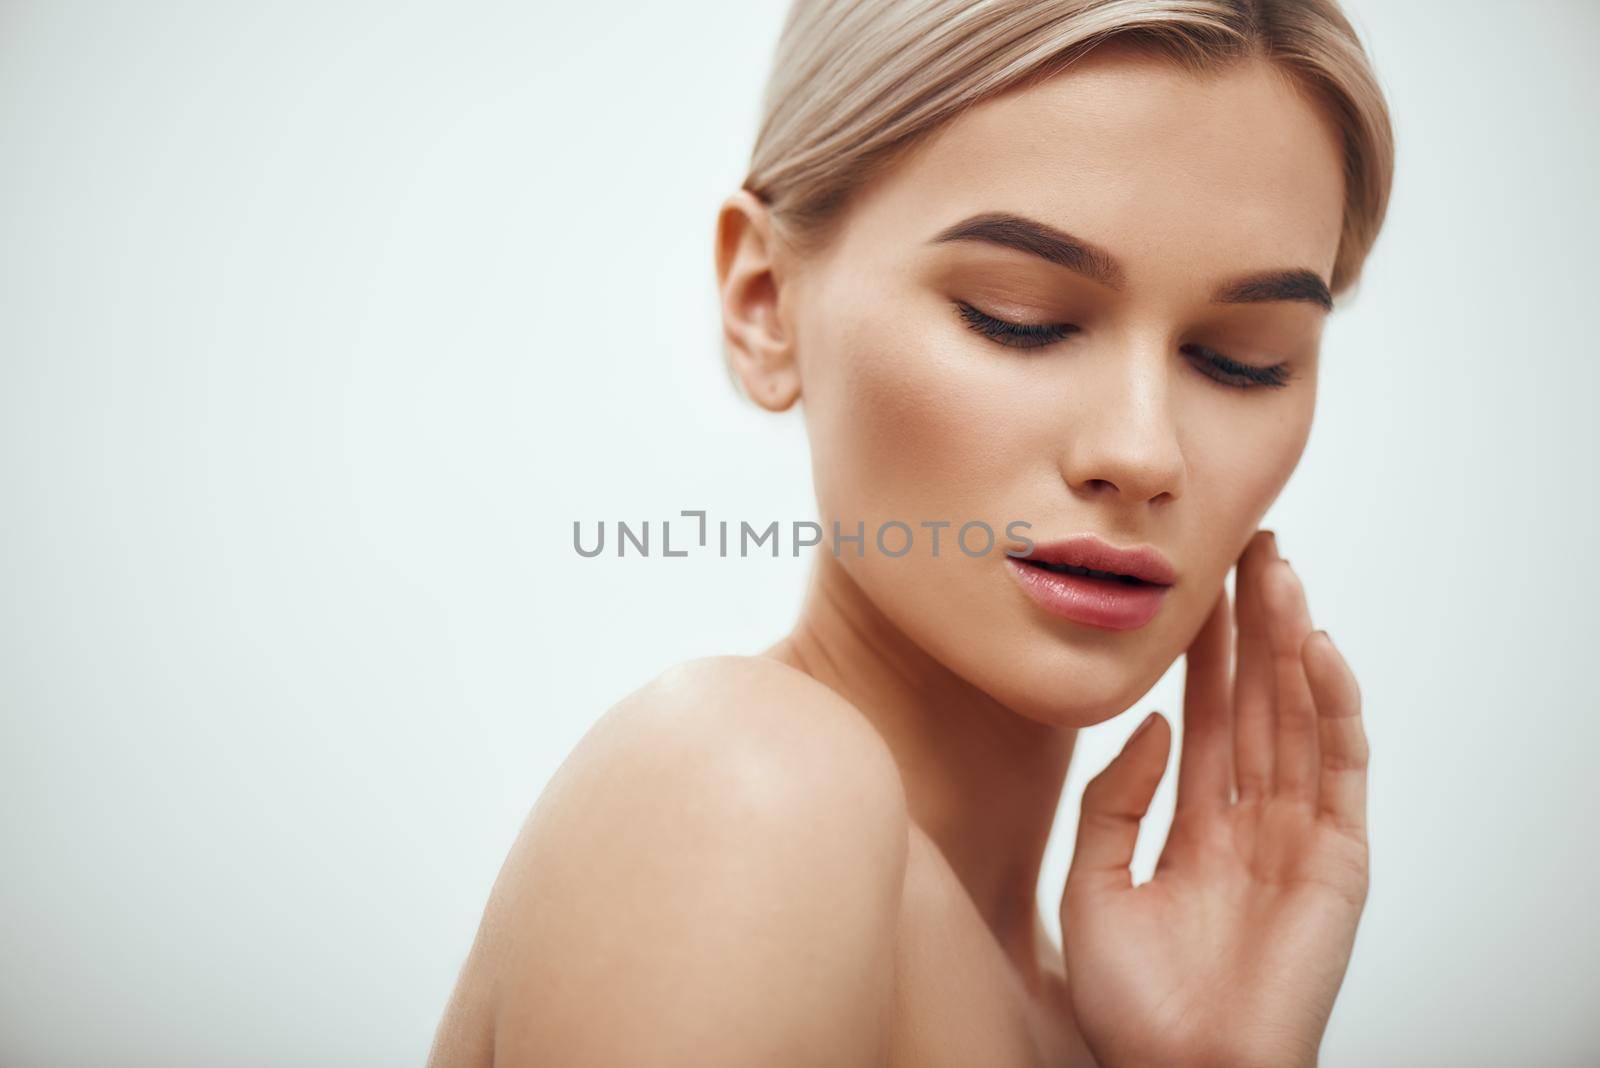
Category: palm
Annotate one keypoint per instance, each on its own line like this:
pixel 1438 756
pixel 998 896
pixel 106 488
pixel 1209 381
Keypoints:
pixel 1233 952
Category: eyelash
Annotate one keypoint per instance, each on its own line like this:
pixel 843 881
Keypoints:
pixel 1212 364
pixel 1014 335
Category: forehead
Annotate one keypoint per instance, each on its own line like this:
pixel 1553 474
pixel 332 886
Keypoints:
pixel 1165 168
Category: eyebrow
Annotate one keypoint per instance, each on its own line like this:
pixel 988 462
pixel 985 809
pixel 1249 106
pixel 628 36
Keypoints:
pixel 1295 284
pixel 1081 257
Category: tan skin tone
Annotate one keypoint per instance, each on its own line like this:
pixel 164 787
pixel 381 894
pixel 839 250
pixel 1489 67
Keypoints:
pixel 830 853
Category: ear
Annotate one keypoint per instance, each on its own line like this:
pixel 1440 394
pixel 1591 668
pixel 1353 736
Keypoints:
pixel 757 339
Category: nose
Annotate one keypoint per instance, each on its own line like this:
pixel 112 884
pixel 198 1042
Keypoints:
pixel 1123 443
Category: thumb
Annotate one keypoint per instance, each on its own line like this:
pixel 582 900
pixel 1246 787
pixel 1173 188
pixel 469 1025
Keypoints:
pixel 1115 801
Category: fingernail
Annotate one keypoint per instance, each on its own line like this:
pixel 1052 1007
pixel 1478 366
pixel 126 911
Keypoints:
pixel 1141 728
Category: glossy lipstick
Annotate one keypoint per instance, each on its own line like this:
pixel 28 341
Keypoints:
pixel 1089 581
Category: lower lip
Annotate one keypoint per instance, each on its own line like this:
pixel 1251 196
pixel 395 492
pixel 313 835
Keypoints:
pixel 1098 602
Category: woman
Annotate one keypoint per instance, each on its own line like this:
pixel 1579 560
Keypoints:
pixel 1058 271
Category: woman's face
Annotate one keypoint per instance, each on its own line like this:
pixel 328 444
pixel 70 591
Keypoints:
pixel 1189 224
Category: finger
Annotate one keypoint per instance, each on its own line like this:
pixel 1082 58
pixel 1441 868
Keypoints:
pixel 1114 802
pixel 1253 728
pixel 1205 764
pixel 1342 783
pixel 1288 624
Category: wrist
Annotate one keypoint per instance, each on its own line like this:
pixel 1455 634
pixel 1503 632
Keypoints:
pixel 1193 1058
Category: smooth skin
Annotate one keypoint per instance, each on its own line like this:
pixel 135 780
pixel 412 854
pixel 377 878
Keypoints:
pixel 829 854
pixel 1233 952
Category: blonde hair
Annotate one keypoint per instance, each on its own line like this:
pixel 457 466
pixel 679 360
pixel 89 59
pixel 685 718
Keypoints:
pixel 856 83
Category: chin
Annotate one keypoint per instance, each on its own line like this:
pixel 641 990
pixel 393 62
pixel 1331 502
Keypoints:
pixel 1060 676
pixel 1063 684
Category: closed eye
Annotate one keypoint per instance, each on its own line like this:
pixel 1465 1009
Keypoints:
pixel 1214 365
pixel 1014 335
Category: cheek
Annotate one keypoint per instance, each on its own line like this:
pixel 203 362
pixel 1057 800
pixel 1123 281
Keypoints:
pixel 1239 467
pixel 1239 458
pixel 907 422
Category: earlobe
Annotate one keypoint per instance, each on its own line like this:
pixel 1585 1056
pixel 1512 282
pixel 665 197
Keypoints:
pixel 774 384
pixel 757 339
pixel 777 390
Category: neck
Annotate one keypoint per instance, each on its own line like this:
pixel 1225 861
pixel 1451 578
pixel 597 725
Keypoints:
pixel 982 781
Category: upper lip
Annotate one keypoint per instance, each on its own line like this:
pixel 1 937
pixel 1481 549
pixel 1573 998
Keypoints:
pixel 1085 550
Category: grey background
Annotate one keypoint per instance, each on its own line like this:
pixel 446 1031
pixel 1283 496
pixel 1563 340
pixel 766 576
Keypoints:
pixel 321 322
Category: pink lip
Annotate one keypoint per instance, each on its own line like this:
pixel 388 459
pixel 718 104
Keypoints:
pixel 1099 602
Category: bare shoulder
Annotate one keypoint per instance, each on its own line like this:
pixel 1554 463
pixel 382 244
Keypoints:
pixel 713 876
pixel 754 732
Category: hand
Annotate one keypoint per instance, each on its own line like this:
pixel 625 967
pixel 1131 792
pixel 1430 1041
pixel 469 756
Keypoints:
pixel 1232 953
